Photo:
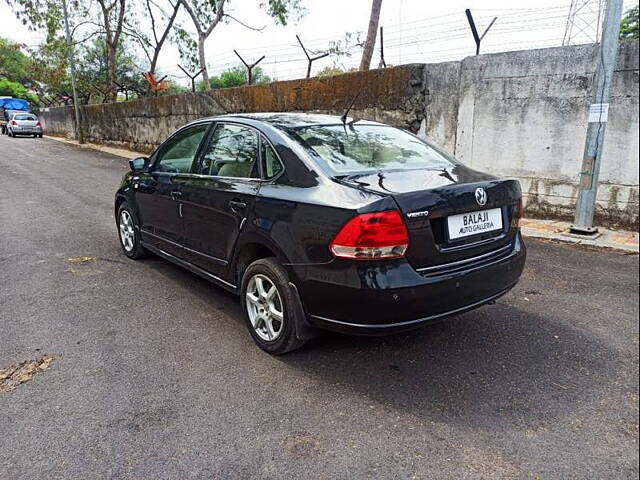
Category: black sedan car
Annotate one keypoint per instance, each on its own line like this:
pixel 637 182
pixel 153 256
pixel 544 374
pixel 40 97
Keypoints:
pixel 323 222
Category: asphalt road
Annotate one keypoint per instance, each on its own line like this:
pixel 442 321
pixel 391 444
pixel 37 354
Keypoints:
pixel 156 377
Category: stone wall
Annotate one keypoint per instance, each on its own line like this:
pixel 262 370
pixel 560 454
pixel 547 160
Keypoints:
pixel 518 114
pixel 393 95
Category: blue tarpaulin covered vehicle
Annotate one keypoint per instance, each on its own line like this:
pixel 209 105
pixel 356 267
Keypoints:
pixel 9 103
pixel 8 106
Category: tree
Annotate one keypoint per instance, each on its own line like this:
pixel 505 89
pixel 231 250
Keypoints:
pixel 630 24
pixel 39 15
pixel 112 22
pixel 207 14
pixel 370 42
pixel 49 68
pixel 14 64
pixel 161 22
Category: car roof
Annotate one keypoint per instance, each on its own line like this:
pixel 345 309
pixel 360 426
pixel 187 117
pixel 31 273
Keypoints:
pixel 290 119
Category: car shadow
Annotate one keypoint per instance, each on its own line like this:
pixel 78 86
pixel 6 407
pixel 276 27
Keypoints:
pixel 495 365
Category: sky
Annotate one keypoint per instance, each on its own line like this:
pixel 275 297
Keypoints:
pixel 415 31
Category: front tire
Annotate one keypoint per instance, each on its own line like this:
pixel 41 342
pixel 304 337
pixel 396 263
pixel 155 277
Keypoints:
pixel 269 307
pixel 129 233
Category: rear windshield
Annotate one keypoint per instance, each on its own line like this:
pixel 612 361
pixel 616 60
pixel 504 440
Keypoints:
pixel 24 117
pixel 361 148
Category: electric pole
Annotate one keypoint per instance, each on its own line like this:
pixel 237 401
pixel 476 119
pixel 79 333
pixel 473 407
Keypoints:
pixel 72 68
pixel 598 116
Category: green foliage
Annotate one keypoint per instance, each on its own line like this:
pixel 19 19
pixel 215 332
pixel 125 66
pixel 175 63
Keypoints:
pixel 630 25
pixel 187 48
pixel 49 68
pixel 14 64
pixel 16 90
pixel 236 77
pixel 47 15
pixel 282 10
pixel 50 72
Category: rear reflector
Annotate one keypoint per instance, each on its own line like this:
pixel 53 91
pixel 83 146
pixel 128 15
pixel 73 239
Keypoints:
pixel 380 235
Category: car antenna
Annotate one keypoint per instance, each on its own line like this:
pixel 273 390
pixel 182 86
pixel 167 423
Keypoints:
pixel 344 116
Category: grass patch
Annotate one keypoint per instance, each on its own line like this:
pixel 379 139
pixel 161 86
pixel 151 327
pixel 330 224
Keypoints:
pixel 82 260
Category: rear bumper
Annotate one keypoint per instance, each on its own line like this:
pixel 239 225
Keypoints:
pixel 26 131
pixel 376 299
pixel 390 328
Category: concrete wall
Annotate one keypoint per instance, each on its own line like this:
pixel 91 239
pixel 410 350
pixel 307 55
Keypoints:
pixel 524 114
pixel 518 114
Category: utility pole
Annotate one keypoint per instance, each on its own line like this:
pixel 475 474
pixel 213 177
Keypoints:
pixel 72 68
pixel 597 123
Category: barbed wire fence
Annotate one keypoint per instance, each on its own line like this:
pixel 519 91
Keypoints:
pixel 426 40
pixel 435 39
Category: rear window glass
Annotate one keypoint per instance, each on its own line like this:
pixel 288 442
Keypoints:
pixel 361 148
pixel 24 117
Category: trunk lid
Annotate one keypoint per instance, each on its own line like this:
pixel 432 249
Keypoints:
pixel 26 123
pixel 428 197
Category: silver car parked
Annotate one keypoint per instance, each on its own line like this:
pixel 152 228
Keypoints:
pixel 24 124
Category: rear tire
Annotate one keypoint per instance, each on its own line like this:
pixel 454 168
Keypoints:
pixel 271 316
pixel 129 233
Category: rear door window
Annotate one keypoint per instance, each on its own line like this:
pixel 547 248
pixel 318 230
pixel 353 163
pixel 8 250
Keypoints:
pixel 231 152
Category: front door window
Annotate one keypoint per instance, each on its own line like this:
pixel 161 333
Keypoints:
pixel 177 155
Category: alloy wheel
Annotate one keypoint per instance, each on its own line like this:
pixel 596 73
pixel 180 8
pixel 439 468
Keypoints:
pixel 264 306
pixel 127 235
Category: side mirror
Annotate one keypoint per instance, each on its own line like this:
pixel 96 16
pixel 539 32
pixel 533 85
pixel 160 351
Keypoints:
pixel 139 164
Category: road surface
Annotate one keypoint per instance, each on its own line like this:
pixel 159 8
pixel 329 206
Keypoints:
pixel 154 375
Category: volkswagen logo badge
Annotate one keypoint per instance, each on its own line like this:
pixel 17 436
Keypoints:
pixel 481 196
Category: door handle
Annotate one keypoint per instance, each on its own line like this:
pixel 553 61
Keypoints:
pixel 236 206
pixel 176 194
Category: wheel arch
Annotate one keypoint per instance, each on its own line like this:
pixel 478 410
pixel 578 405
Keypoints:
pixel 120 199
pixel 252 248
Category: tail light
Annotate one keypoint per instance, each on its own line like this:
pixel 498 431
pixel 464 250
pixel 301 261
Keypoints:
pixel 38 124
pixel 13 122
pixel 381 235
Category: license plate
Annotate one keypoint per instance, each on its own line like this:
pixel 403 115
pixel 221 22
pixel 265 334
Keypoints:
pixel 474 223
